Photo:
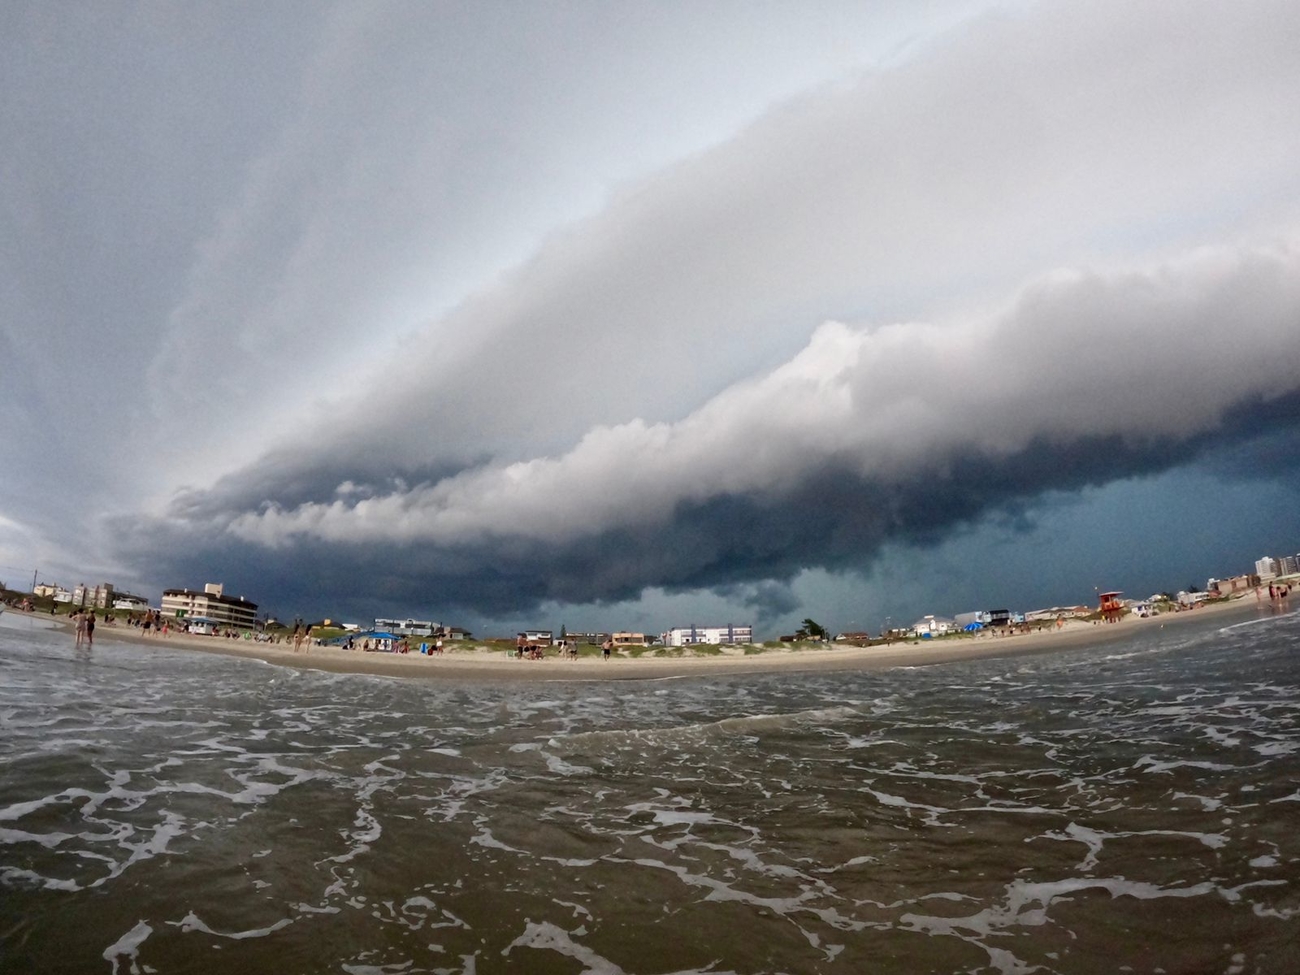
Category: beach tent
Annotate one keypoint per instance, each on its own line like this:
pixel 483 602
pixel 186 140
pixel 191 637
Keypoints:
pixel 972 627
pixel 380 641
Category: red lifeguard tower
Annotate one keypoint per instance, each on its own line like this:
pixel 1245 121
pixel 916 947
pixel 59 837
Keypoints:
pixel 1112 607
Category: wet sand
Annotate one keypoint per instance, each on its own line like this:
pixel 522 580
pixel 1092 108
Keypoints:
pixel 495 665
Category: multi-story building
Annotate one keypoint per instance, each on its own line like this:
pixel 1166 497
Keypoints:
pixel 1288 565
pixel 408 627
pixel 210 604
pixel 685 636
pixel 1266 568
pixel 96 597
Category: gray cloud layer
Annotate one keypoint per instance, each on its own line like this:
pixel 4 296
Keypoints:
pixel 478 319
pixel 868 435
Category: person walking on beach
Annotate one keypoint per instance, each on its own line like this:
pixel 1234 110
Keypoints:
pixel 605 649
pixel 90 629
pixel 80 620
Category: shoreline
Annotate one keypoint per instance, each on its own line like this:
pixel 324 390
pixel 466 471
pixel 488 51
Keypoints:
pixel 494 666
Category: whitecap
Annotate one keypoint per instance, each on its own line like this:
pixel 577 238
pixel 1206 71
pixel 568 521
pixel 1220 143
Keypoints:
pixel 128 945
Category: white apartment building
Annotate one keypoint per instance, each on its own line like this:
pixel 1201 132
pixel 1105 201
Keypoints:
pixel 685 636
pixel 211 604
pixel 1267 567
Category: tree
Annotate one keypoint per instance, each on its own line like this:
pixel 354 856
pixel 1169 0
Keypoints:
pixel 814 629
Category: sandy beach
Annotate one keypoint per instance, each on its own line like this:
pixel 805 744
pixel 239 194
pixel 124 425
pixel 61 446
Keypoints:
pixel 495 665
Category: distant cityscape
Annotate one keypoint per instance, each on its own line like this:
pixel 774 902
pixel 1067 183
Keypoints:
pixel 210 610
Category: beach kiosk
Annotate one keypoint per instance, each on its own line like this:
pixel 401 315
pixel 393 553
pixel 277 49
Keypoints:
pixel 1112 607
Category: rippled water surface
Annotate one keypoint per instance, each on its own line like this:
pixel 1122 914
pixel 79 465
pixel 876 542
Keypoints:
pixel 1136 804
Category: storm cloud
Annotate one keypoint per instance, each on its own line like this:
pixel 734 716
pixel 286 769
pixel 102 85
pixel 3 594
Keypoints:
pixel 869 435
pixel 496 309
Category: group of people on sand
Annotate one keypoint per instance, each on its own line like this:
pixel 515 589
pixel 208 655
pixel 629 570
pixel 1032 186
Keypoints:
pixel 525 650
pixel 302 638
pixel 152 621
pixel 428 649
pixel 1276 592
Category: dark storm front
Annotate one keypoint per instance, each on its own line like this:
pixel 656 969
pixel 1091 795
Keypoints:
pixel 1133 804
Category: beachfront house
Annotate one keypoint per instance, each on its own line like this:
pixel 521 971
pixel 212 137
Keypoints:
pixel 408 627
pixel 212 603
pixel 987 617
pixel 625 638
pixel 729 635
pixel 933 626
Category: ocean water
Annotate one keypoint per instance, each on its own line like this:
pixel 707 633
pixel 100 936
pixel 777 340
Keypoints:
pixel 1129 807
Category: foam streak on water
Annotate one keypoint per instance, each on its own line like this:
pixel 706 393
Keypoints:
pixel 1127 805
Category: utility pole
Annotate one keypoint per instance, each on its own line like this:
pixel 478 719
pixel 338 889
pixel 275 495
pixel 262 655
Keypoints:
pixel 34 571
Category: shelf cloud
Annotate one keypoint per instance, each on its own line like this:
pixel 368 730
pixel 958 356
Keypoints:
pixel 870 434
pixel 502 310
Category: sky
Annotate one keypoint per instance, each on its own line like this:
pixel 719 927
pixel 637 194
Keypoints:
pixel 630 316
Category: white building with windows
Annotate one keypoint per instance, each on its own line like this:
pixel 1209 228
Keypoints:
pixel 97 597
pixel 211 604
pixel 1267 567
pixel 408 627
pixel 729 635
pixel 932 626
